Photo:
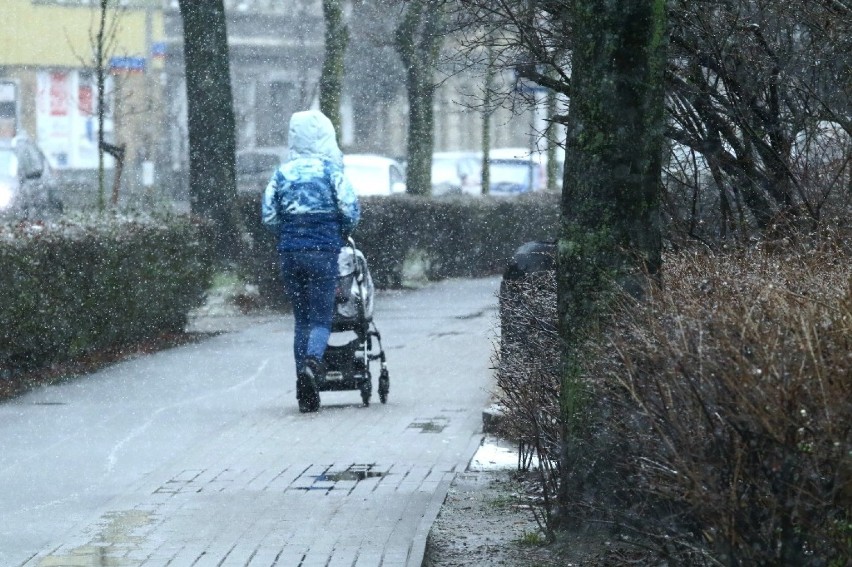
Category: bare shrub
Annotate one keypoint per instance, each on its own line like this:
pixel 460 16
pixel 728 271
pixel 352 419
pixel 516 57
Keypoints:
pixel 731 386
pixel 528 379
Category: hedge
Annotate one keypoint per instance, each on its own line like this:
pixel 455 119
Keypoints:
pixel 78 286
pixel 460 237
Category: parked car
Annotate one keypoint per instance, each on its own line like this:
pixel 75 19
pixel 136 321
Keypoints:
pixel 514 176
pixel 512 171
pixel 374 174
pixel 28 185
pixel 516 170
pixel 255 166
pixel 456 173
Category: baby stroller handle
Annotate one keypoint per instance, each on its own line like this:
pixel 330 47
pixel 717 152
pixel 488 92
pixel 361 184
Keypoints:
pixel 359 273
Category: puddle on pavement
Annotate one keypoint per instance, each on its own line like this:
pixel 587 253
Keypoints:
pixel 430 425
pixel 352 473
pixel 110 546
pixel 349 475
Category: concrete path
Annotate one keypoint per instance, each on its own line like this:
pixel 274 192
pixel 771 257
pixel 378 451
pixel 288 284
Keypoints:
pixel 198 456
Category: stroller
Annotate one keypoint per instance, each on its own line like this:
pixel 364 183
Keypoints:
pixel 348 365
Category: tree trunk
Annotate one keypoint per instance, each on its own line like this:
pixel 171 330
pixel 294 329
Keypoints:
pixel 331 79
pixel 100 79
pixel 487 103
pixel 418 40
pixel 610 219
pixel 210 117
pixel 552 142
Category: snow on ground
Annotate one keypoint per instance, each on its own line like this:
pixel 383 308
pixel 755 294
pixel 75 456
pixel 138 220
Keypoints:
pixel 496 454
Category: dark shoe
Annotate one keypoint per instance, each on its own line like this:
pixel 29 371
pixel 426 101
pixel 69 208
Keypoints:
pixel 315 370
pixel 307 386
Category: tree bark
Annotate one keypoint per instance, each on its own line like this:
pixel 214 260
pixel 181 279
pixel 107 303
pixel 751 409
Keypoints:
pixel 418 40
pixel 610 229
pixel 210 117
pixel 331 79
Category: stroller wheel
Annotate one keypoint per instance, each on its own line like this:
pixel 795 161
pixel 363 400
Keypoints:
pixel 384 385
pixel 366 388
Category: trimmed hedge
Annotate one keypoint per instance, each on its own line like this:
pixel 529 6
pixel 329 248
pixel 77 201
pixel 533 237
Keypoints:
pixel 75 287
pixel 461 237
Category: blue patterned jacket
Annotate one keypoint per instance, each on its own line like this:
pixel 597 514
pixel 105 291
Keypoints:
pixel 308 200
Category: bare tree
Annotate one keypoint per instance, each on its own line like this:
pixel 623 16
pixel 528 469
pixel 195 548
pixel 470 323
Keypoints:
pixel 520 50
pixel 212 181
pixel 102 38
pixel 747 79
pixel 418 39
pixel 748 83
pixel 608 57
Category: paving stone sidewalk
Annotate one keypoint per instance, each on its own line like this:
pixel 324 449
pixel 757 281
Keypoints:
pixel 198 456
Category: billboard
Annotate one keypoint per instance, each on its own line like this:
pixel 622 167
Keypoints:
pixel 66 118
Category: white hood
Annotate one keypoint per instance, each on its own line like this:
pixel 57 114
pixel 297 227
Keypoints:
pixel 312 135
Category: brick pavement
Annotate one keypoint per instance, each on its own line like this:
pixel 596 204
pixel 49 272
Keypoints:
pixel 250 481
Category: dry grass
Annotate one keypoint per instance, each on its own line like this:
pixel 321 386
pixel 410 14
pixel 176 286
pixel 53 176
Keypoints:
pixel 732 387
pixel 718 419
pixel 528 380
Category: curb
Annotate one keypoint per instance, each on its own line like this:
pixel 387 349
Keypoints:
pixel 417 553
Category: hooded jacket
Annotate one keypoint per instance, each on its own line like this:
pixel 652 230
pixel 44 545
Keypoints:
pixel 308 201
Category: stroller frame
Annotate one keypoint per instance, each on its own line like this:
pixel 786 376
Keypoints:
pixel 347 366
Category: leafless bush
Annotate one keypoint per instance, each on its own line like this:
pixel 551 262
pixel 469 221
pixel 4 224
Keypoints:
pixel 528 378
pixel 732 387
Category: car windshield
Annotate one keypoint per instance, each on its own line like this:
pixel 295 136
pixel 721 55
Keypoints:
pixel 8 163
pixel 368 179
pixel 510 171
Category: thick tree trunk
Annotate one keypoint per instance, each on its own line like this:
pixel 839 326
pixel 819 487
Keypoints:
pixel 331 79
pixel 417 41
pixel 421 137
pixel 212 183
pixel 610 221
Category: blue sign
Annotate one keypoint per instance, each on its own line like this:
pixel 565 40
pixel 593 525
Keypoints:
pixel 127 64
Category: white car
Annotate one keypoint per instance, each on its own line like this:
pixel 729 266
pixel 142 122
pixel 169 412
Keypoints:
pixel 512 169
pixel 28 186
pixel 374 174
pixel 456 173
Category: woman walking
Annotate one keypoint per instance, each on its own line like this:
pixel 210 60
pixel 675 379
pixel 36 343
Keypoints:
pixel 313 208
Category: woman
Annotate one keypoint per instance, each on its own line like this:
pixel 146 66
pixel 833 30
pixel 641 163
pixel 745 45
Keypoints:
pixel 313 207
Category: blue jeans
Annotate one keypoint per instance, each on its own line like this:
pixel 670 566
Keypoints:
pixel 309 280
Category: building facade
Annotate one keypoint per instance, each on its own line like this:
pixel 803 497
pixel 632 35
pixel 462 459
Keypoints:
pixel 48 86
